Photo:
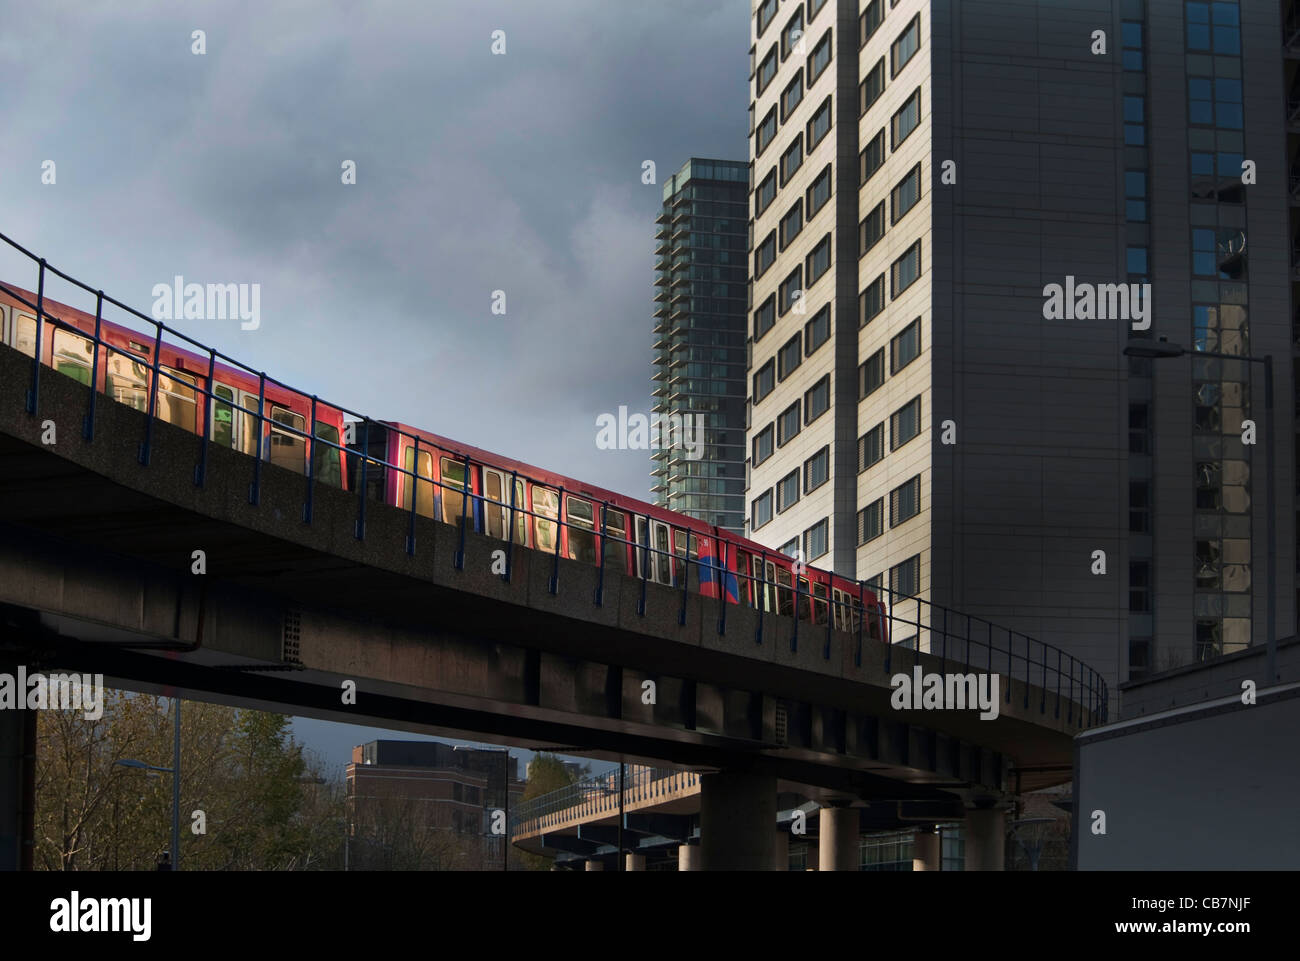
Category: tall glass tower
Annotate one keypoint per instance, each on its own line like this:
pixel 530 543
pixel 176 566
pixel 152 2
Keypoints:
pixel 700 317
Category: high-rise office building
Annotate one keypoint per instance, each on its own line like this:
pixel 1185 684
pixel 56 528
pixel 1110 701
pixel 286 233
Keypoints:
pixel 955 208
pixel 700 318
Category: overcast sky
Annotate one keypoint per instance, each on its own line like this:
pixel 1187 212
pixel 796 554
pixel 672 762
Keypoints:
pixel 475 172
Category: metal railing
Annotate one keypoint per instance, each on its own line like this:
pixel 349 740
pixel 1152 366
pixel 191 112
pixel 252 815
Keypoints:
pixel 598 795
pixel 1064 682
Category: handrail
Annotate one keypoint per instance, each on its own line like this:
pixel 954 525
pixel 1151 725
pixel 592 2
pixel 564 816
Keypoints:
pixel 999 645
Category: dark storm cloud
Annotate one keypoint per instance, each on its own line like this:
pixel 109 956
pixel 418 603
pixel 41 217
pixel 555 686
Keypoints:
pixel 475 173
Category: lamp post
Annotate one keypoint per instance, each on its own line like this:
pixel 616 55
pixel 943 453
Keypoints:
pixel 1161 349
pixel 175 772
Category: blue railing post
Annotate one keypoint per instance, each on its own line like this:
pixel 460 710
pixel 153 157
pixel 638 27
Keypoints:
pixel 310 453
pixel 1069 701
pixel 209 415
pixel 88 426
pixel 862 616
pixel 1011 643
pixel 686 578
pixel 794 585
pixel 1057 714
pixel 1028 659
pixel 889 619
pixel 459 559
pixel 722 592
pixel 830 617
pixel 762 597
pixel 600 571
pixel 645 565
pixel 154 387
pixel 360 529
pixel 415 497
pixel 1042 701
pixel 510 541
pixel 255 491
pixel 559 537
pixel 34 392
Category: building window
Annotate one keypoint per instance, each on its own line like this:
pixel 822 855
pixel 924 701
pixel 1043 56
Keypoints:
pixel 871 374
pixel 905 423
pixel 820 58
pixel 1139 429
pixel 790 291
pixel 760 510
pixel 765 194
pixel 787 425
pixel 907 119
pixel 1139 587
pixel 792 33
pixel 817 399
pixel 766 132
pixel 1135 259
pixel 764 381
pixel 1135 131
pixel 908 42
pixel 787 491
pixel 1214 102
pixel 766 12
pixel 819 192
pixel 1139 506
pixel 766 70
pixel 905 578
pixel 871 521
pixel 792 96
pixel 765 255
pixel 1139 657
pixel 789 357
pixel 1135 195
pixel 817 331
pixel 871 447
pixel 791 160
pixel 905 346
pixel 872 86
pixel 790 547
pixel 820 124
pixel 765 317
pixel 905 270
pixel 762 445
pixel 817 470
pixel 905 501
pixel 791 224
pixel 905 195
pixel 815 541
pixel 819 261
pixel 871 301
pixel 1223 36
pixel 814 6
pixel 872 157
pixel 1131 41
pixel 871 229
pixel 870 21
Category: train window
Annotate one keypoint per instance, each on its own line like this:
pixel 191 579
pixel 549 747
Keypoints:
pixel 326 462
pixel 873 622
pixel 521 515
pixel 176 400
pixel 582 536
pixel 805 600
pixel 127 380
pixel 424 490
pixel 765 583
pixel 642 554
pixel 821 612
pixel 663 562
pixel 784 595
pixel 681 569
pixel 24 334
pixel 744 585
pixel 288 449
pixel 223 416
pixel 453 490
pixel 615 535
pixel 73 355
pixel 546 504
pixel 494 499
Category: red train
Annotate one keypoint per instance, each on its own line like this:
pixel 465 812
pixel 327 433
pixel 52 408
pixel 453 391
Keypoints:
pixel 546 510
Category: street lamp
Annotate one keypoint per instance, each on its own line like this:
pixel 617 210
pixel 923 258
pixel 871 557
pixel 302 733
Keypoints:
pixel 175 772
pixel 1161 349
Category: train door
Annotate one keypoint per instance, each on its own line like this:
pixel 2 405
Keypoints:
pixel 615 546
pixel 546 510
pixel 423 467
pixel 233 419
pixel 765 583
pixel 580 529
pixel 496 503
pixel 661 563
pixel 455 483
pixel 21 332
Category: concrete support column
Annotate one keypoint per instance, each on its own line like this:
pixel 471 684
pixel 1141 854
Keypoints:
pixel 688 857
pixel 985 840
pixel 594 865
pixel 737 822
pixel 781 851
pixel 926 853
pixel 838 845
pixel 634 862
pixel 17 783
